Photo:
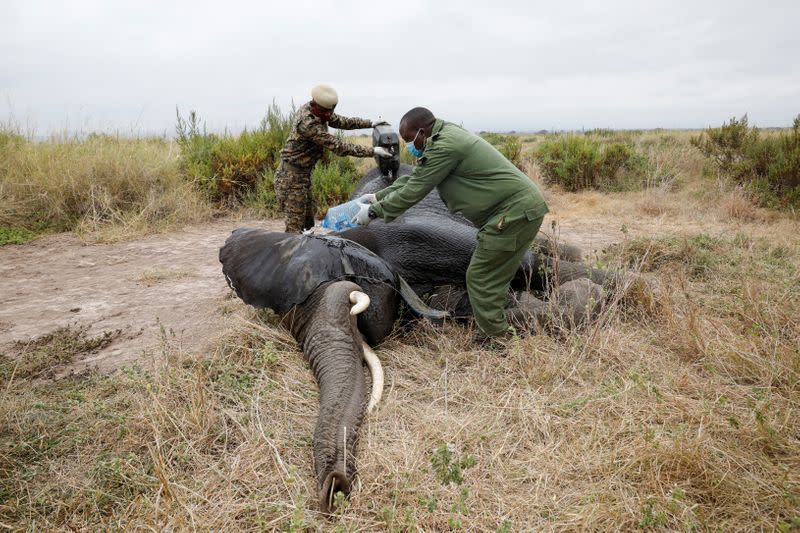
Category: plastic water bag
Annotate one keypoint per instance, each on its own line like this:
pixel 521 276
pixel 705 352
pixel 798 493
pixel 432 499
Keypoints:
pixel 340 217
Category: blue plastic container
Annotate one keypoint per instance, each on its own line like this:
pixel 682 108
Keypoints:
pixel 340 217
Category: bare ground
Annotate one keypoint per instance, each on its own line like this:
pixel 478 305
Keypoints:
pixel 169 284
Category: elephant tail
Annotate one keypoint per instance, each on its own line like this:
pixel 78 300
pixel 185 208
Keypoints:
pixel 417 306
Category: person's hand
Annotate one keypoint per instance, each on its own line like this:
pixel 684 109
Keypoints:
pixel 362 217
pixel 380 123
pixel 368 199
pixel 381 152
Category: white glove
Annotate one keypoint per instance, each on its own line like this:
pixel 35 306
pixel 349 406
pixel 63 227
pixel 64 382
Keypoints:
pixel 368 199
pixel 381 152
pixel 362 217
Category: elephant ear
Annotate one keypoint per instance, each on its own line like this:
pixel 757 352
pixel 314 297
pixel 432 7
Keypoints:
pixel 278 270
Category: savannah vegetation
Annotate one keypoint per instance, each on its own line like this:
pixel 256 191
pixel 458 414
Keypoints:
pixel 676 410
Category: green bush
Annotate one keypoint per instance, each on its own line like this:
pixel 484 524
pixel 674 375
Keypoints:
pixel 261 200
pixel 509 145
pixel 576 162
pixel 230 167
pixel 767 165
pixel 332 182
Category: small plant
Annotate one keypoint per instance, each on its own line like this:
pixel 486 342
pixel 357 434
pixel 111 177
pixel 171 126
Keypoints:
pixel 448 467
pixel 16 235
pixel 652 517
pixel 505 527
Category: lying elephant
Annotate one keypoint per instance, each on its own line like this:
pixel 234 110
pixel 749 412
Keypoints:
pixel 313 280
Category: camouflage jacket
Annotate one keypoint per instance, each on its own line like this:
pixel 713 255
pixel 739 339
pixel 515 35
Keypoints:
pixel 309 136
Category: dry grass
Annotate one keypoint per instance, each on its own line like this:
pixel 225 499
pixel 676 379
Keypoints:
pixel 681 415
pixel 149 278
pixel 684 419
pixel 104 187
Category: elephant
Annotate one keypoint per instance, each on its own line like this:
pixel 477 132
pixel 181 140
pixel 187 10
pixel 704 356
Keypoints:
pixel 313 280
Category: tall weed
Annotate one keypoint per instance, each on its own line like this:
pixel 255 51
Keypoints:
pixel 69 183
pixel 229 167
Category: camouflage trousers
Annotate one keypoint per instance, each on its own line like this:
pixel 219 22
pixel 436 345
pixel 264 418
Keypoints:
pixel 293 192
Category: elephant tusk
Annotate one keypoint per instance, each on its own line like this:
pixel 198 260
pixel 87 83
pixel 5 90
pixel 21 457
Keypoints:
pixel 360 302
pixel 376 371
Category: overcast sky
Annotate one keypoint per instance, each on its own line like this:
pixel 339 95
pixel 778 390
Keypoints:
pixel 490 65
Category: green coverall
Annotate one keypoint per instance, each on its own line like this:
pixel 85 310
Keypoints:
pixel 473 178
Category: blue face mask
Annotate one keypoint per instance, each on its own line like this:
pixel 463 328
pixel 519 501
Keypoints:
pixel 413 149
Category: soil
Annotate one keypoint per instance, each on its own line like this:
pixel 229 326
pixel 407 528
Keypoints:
pixel 161 285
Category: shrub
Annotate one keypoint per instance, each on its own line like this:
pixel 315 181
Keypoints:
pixel 508 145
pixel 577 162
pixel 332 182
pixel 726 145
pixel 230 167
pixel 769 166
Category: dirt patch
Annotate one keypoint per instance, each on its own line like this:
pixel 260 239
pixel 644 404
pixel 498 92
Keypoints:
pixel 168 284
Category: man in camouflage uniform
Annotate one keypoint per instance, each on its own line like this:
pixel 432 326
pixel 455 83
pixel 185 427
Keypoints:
pixel 304 147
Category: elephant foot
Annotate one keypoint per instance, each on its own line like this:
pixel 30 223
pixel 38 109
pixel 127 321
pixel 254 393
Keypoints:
pixel 526 312
pixel 570 306
pixel 576 303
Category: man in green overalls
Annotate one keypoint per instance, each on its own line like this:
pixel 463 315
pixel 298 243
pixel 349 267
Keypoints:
pixel 476 180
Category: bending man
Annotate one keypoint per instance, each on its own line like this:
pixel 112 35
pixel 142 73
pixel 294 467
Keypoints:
pixel 304 147
pixel 473 178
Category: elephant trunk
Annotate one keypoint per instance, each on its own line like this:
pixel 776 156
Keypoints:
pixel 332 344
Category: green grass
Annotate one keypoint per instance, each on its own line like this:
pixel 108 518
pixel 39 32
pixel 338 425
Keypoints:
pixel 578 162
pixel 46 353
pixel 16 235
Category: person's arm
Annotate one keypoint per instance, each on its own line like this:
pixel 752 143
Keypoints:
pixel 406 191
pixel 349 123
pixel 318 134
pixel 399 182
